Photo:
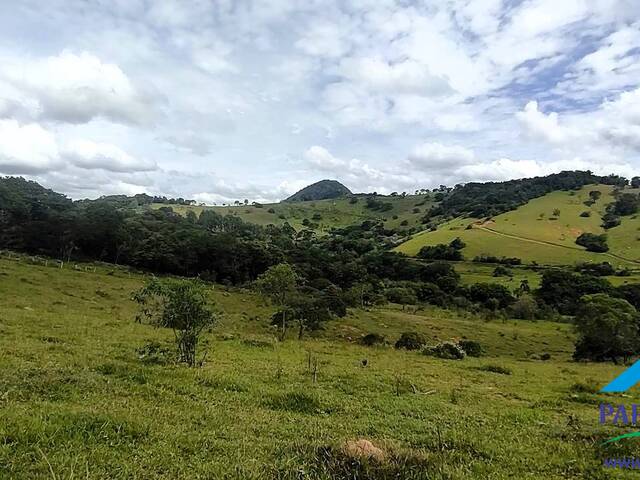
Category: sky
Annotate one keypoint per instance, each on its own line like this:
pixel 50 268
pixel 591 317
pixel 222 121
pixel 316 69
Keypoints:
pixel 223 100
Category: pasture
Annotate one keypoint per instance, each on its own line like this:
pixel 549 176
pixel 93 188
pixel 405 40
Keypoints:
pixel 79 399
pixel 542 231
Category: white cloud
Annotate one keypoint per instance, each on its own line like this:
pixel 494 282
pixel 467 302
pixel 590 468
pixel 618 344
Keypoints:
pixel 543 127
pixel 77 88
pixel 437 156
pixel 27 149
pixel 90 155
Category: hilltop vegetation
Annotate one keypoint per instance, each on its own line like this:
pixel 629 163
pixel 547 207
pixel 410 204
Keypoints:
pixel 322 190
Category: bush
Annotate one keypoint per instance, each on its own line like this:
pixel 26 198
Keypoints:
pixel 585 214
pixel 401 295
pixel 372 339
pixel 525 308
pixel 496 369
pixel 471 348
pixel 411 341
pixel 585 387
pixel 271 210
pixel 596 269
pixel 446 350
pixel 610 220
pixel 593 242
pixel 404 223
pixel 153 353
pixel 501 271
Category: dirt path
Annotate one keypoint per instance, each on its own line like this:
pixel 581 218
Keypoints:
pixel 544 242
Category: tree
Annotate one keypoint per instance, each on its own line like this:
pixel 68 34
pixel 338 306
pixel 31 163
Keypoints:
pixel 626 204
pixel 562 289
pixel 310 313
pixel 607 329
pixel 180 305
pixel 278 284
pixel 635 182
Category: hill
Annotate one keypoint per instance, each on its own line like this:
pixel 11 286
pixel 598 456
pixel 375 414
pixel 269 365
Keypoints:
pixel 403 213
pixel 543 230
pixel 322 190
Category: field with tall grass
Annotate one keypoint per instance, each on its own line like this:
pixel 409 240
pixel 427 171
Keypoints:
pixel 86 392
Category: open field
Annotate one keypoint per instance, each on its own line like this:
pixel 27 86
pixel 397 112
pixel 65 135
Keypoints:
pixel 533 233
pixel 334 213
pixel 77 401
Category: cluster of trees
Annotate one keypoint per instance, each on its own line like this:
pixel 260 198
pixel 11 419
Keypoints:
pixel 452 251
pixel 593 242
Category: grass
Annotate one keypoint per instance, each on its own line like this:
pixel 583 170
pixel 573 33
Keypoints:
pixel 533 233
pixel 334 213
pixel 76 399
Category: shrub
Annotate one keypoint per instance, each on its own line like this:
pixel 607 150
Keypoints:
pixel 496 369
pixel 585 387
pixel 585 214
pixel 316 217
pixel 593 242
pixel 525 308
pixel 404 223
pixel 471 348
pixel 545 356
pixel 371 339
pixel 446 350
pixel 411 341
pixel 610 220
pixel 153 353
pixel 271 210
pixel 401 295
pixel 501 271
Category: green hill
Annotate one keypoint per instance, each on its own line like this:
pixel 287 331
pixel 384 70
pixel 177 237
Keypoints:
pixel 324 215
pixel 322 190
pixel 537 232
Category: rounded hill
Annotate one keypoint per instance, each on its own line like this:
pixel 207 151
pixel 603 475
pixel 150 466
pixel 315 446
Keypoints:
pixel 322 190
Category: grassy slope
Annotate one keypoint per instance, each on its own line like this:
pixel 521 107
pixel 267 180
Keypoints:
pixel 525 234
pixel 73 393
pixel 335 213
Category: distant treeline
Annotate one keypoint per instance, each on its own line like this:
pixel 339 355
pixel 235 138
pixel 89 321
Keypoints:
pixel 492 198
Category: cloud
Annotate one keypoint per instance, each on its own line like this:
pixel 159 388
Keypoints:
pixel 90 155
pixel 543 127
pixel 437 156
pixel 76 88
pixel 27 149
pixel 406 76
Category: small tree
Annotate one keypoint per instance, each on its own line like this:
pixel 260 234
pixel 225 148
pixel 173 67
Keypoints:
pixel 180 305
pixel 607 328
pixel 278 284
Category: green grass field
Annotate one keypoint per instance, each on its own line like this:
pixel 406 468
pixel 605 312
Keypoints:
pixel 534 234
pixel 76 401
pixel 334 213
